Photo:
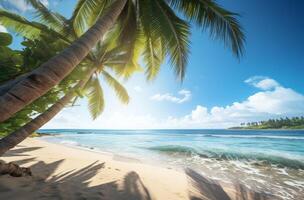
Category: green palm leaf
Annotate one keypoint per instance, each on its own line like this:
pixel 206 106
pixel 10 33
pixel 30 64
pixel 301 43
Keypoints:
pixel 20 25
pixel 173 32
pixel 53 20
pixel 153 53
pixel 85 14
pixel 26 28
pixel 95 97
pixel 130 40
pixel 111 39
pixel 221 23
pixel 119 89
pixel 153 56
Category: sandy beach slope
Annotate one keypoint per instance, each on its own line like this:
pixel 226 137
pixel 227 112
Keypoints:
pixel 61 172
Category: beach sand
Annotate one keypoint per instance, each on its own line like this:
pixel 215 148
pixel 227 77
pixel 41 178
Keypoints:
pixel 61 172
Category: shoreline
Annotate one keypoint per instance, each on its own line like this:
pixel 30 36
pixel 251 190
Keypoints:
pixel 266 129
pixel 96 151
pixel 66 172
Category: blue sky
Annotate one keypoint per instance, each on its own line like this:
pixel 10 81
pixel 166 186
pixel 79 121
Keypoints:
pixel 219 90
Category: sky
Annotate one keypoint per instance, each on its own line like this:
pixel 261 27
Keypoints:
pixel 219 91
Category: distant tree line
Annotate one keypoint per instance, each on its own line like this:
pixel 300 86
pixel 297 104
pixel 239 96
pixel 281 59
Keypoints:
pixel 281 123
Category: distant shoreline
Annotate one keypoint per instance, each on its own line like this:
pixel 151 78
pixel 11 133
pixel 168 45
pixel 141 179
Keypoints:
pixel 270 129
pixel 294 123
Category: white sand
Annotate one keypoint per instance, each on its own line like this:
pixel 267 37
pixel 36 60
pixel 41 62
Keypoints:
pixel 61 172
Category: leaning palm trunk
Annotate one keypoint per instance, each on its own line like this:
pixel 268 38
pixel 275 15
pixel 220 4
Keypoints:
pixel 22 133
pixel 5 87
pixel 57 68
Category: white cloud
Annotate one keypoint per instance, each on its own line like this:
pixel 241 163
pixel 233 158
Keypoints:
pixel 278 102
pixel 262 82
pixel 186 95
pixel 3 29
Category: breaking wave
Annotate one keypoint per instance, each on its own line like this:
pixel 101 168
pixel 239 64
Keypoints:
pixel 255 158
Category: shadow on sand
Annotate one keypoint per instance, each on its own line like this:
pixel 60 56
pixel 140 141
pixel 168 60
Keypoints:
pixel 206 189
pixel 73 184
pixel 20 151
pixel 76 184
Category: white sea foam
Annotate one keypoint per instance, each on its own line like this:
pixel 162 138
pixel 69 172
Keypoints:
pixel 69 142
pixel 294 183
pixel 282 171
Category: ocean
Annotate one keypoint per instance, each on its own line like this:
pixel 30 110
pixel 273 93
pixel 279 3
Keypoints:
pixel 271 161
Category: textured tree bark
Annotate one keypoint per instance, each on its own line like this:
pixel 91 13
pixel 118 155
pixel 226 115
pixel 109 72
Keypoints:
pixel 54 70
pixel 11 140
pixel 5 87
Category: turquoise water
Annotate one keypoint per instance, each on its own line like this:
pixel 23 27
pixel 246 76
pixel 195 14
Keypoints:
pixel 270 161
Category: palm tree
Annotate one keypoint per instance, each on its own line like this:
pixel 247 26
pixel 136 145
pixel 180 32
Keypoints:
pixel 104 54
pixel 91 86
pixel 96 107
pixel 154 21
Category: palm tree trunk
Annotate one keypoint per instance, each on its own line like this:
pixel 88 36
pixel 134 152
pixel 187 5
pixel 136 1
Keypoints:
pixel 14 138
pixel 6 86
pixel 54 70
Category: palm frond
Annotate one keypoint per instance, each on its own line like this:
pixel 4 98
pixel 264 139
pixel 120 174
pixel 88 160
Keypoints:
pixel 117 55
pixel 130 40
pixel 85 14
pixel 20 25
pixel 25 28
pixel 109 43
pixel 116 60
pixel 174 32
pixel 221 23
pixel 153 53
pixel 107 47
pixel 153 56
pixel 119 89
pixel 53 20
pixel 95 97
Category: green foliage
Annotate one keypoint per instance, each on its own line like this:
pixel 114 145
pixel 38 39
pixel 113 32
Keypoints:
pixel 222 24
pixel 26 28
pixel 15 63
pixel 153 29
pixel 130 40
pixel 10 63
pixel 95 97
pixel 150 28
pixel 282 123
pixel 55 27
pixel 53 20
pixel 19 24
pixel 119 89
pixel 160 22
pixel 85 14
pixel 5 39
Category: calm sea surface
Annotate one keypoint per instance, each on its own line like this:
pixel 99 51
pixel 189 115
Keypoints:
pixel 268 161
